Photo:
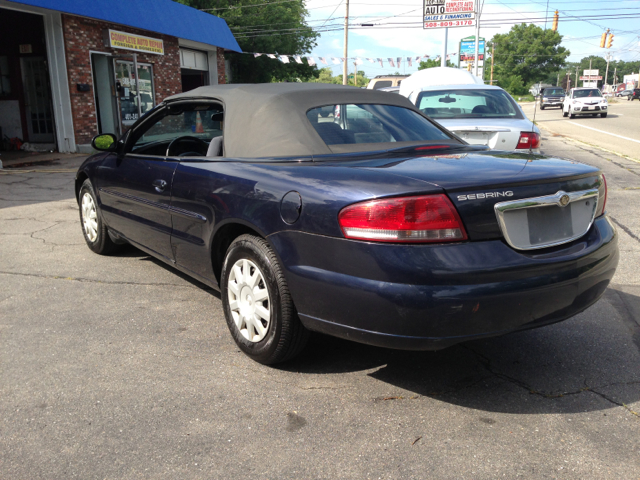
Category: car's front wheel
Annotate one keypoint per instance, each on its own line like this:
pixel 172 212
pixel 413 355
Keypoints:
pixel 603 115
pixel 564 114
pixel 257 304
pixel 95 231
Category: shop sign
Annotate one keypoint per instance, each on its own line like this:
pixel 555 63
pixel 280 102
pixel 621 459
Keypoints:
pixel 129 41
pixel 448 13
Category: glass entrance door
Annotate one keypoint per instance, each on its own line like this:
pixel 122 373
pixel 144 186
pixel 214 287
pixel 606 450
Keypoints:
pixel 37 99
pixel 127 85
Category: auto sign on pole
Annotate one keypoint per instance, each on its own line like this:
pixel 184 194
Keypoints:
pixel 448 13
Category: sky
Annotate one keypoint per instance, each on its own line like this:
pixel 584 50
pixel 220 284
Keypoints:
pixel 582 22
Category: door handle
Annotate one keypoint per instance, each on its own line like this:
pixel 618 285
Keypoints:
pixel 160 185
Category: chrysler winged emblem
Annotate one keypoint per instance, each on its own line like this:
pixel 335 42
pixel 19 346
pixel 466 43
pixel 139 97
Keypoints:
pixel 564 200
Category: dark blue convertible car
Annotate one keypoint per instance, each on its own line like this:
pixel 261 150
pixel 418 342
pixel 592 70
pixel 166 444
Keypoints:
pixel 349 212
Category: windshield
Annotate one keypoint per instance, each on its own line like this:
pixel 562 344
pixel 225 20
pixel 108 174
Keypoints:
pixel 592 92
pixel 553 91
pixel 349 124
pixel 476 103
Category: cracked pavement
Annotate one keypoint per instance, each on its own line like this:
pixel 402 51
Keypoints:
pixel 120 367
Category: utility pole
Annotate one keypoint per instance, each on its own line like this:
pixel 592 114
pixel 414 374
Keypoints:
pixel 345 77
pixel 607 71
pixel 568 81
pixel 476 58
pixel 615 76
pixel 493 51
pixel 576 76
pixel 355 74
pixel 558 80
pixel 443 60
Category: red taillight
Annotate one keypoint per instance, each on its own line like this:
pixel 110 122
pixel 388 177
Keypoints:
pixel 528 140
pixel 429 218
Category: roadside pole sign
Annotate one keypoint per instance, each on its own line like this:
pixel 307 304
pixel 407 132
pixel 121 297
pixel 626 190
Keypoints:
pixel 467 51
pixel 448 13
pixel 590 78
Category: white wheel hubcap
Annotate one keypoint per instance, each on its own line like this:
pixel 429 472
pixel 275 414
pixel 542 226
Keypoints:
pixel 89 217
pixel 249 300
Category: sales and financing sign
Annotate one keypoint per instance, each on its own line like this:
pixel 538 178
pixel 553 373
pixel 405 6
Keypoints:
pixel 448 13
pixel 129 41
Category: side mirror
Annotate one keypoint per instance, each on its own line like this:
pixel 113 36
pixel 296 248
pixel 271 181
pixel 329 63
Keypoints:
pixel 105 142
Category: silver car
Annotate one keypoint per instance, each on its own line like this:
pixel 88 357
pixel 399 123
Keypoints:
pixel 480 115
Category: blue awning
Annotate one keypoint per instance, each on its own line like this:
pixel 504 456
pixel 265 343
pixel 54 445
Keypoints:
pixel 161 16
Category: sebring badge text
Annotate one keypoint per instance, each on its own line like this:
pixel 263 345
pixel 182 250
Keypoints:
pixel 479 196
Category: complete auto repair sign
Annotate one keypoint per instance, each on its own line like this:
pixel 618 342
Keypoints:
pixel 448 13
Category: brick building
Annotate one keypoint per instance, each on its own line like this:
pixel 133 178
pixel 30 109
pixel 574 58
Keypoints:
pixel 71 69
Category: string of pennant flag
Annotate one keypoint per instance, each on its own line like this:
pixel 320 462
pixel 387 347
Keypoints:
pixel 311 60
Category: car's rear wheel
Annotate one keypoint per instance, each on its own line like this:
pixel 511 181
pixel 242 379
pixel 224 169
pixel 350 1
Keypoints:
pixel 257 304
pixel 564 114
pixel 93 228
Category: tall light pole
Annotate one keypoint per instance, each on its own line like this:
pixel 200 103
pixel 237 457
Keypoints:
pixel 443 59
pixel 475 58
pixel 345 76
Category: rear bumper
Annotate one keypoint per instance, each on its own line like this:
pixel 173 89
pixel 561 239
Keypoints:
pixel 430 297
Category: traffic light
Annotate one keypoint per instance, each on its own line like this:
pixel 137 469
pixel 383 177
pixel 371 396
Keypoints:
pixel 603 39
pixel 610 41
pixel 556 17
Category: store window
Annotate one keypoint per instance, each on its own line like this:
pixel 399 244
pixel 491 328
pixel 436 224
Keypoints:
pixel 5 83
pixel 127 91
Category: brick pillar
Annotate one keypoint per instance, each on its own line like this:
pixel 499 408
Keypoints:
pixel 222 73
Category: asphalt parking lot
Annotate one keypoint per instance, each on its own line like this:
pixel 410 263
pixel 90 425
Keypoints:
pixel 120 368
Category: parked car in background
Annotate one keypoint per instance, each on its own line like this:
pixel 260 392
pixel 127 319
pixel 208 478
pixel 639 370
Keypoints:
pixel 382 81
pixel 537 88
pixel 634 94
pixel 552 97
pixel 619 88
pixel 624 93
pixel 584 101
pixel 384 228
pixel 479 114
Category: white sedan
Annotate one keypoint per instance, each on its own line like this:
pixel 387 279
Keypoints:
pixel 584 101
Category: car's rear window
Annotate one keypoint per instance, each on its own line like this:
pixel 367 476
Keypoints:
pixel 553 91
pixel 382 84
pixel 476 103
pixel 352 124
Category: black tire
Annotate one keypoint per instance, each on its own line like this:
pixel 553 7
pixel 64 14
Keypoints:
pixel 102 243
pixel 564 114
pixel 285 336
pixel 571 115
pixel 603 115
pixel 541 107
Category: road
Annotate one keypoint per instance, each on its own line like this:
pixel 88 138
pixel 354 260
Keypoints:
pixel 619 132
pixel 122 368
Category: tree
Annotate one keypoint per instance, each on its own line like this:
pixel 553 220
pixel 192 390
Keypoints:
pixel 526 55
pixel 268 27
pixel 326 76
pixel 430 63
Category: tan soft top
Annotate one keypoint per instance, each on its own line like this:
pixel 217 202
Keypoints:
pixel 270 119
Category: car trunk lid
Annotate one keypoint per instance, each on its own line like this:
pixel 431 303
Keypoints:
pixel 476 182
